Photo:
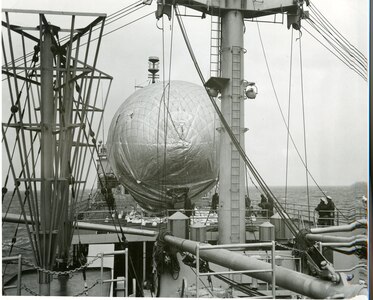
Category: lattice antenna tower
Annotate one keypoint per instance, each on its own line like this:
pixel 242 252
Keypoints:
pixel 50 98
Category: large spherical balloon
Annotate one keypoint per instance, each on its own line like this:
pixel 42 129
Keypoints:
pixel 163 141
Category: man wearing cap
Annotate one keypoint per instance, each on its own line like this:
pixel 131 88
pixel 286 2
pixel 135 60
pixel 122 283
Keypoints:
pixel 330 210
pixel 322 209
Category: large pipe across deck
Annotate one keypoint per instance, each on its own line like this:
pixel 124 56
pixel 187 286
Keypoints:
pixel 288 279
pixel 333 239
pixel 14 218
pixel 350 227
pixel 110 228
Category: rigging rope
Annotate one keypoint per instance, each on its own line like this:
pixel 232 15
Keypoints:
pixel 17 183
pixel 342 56
pixel 102 184
pixel 167 116
pixel 251 179
pixel 289 106
pixel 129 23
pixel 283 116
pixel 163 190
pixel 286 125
pixel 330 28
pixel 21 113
pixel 158 133
pixel 304 126
pixel 343 49
pixel 165 109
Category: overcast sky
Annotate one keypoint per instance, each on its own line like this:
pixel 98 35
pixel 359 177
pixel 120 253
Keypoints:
pixel 336 103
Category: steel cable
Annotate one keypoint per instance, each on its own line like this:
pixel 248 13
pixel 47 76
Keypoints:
pixel 342 56
pixel 332 28
pixel 304 127
pixel 288 123
pixel 348 53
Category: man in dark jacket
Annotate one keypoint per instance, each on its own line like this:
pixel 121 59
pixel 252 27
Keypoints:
pixel 188 207
pixel 247 206
pixel 263 205
pixel 270 207
pixel 322 209
pixel 214 202
pixel 331 208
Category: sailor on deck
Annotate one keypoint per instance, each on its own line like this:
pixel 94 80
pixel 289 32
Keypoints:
pixel 322 209
pixel 270 207
pixel 214 202
pixel 263 205
pixel 247 205
pixel 331 209
pixel 188 207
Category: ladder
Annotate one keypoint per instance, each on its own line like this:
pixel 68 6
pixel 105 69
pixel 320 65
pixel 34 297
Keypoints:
pixel 215 45
pixel 235 156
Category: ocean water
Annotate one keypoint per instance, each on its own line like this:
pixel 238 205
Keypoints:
pixel 346 199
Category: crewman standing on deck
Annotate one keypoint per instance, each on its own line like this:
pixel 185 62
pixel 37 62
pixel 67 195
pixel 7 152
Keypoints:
pixel 188 207
pixel 263 205
pixel 331 209
pixel 270 207
pixel 247 205
pixel 322 209
pixel 214 202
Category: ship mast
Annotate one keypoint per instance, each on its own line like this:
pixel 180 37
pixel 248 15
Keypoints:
pixel 47 142
pixel 231 85
pixel 232 169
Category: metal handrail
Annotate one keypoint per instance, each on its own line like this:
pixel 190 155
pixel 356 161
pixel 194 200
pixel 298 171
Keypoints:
pixel 233 246
pixel 19 272
pixel 102 281
pixel 361 266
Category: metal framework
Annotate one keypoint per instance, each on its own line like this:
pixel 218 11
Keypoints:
pixel 50 96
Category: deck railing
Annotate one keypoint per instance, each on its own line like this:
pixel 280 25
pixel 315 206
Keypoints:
pixel 125 279
pixel 237 246
pixel 254 216
pixel 101 281
pixel 19 273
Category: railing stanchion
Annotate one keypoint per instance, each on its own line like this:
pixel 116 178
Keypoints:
pixel 273 269
pixel 102 274
pixel 126 271
pixel 19 278
pixel 197 270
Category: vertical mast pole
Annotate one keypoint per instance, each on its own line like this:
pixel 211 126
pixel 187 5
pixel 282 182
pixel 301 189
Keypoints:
pixel 47 124
pixel 66 140
pixel 232 172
